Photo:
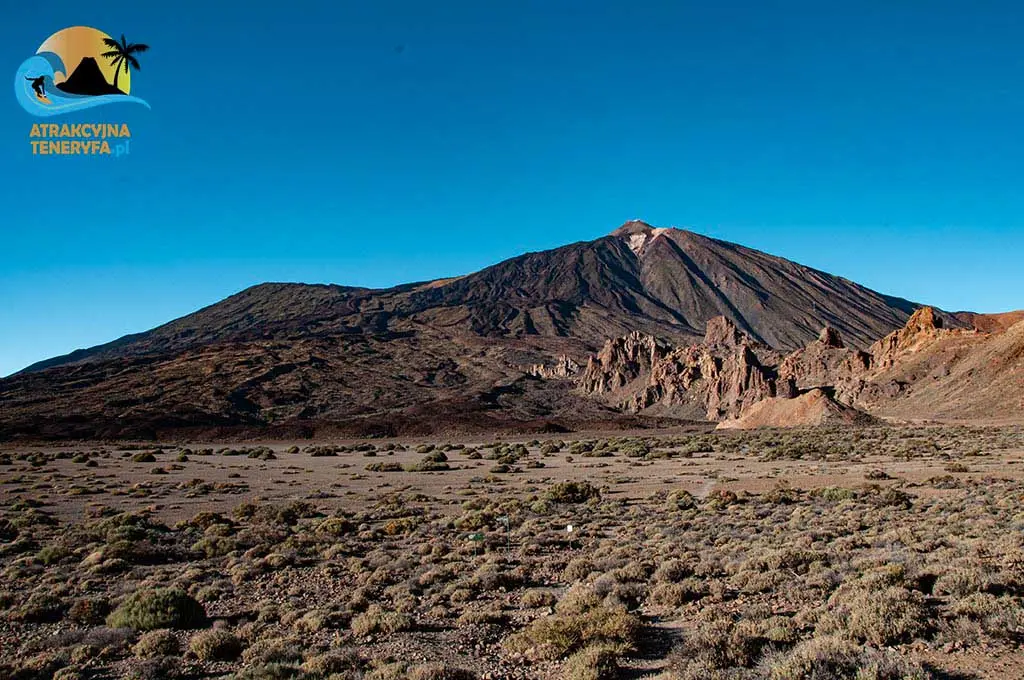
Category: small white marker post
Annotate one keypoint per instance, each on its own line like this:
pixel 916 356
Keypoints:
pixel 568 531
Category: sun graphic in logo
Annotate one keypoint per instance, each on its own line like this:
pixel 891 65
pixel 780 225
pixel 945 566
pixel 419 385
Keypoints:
pixel 76 68
pixel 89 49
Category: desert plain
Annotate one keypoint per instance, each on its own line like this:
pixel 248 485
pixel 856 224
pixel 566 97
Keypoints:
pixel 885 552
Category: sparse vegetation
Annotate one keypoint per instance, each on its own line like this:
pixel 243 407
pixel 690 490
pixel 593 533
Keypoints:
pixel 889 561
pixel 159 608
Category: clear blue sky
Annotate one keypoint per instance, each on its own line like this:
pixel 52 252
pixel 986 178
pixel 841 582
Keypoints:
pixel 372 143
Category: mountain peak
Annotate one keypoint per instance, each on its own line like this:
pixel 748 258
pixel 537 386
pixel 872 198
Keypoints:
pixel 640 234
pixel 88 79
pixel 633 227
pixel 924 319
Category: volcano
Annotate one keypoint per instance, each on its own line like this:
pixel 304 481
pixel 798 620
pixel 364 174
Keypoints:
pixel 88 79
pixel 428 354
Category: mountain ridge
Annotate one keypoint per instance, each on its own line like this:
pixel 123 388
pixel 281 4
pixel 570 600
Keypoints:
pixel 468 350
pixel 552 298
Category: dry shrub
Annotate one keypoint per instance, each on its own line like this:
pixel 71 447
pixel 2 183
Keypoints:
pixel 538 598
pixel 375 620
pixel 719 642
pixel 572 492
pixel 280 651
pixel 215 645
pixel 337 661
pixel 879 617
pixel 553 637
pixel 833 658
pixel 595 662
pixel 439 671
pixel 156 643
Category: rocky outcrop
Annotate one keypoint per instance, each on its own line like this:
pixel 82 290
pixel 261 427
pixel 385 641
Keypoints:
pixel 717 378
pixel 924 367
pixel 927 370
pixel 825 362
pixel 621 361
pixel 923 326
pixel 720 331
pixel 829 337
pixel 564 367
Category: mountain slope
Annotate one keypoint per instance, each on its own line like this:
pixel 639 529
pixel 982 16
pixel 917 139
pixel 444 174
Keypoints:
pixel 280 353
pixel 667 281
pixel 927 370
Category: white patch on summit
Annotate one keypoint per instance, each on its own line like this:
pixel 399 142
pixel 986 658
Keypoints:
pixel 639 240
pixel 636 242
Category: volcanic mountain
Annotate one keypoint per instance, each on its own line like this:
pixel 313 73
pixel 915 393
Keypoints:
pixel 459 352
pixel 87 78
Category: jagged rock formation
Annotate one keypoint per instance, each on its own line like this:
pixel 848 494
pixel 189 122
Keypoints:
pixel 920 370
pixel 714 379
pixel 826 362
pixel 564 367
pixel 621 361
pixel 921 328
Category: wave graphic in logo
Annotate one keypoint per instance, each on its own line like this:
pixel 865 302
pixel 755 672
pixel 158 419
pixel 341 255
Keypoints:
pixel 100 73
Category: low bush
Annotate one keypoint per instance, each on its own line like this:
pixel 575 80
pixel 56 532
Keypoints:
pixel 553 637
pixel 215 645
pixel 375 620
pixel 572 492
pixel 157 643
pixel 832 658
pixel 159 608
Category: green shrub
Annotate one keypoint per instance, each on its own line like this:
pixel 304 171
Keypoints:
pixel 159 608
pixel 572 492
pixel 52 554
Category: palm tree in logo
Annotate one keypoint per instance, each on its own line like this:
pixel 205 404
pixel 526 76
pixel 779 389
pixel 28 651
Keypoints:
pixel 123 53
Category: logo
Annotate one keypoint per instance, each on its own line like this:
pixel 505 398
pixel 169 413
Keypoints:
pixel 75 69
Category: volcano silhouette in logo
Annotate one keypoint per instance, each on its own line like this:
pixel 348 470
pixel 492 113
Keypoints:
pixel 78 67
pixel 88 79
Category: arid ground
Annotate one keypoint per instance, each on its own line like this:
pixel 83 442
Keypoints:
pixel 877 552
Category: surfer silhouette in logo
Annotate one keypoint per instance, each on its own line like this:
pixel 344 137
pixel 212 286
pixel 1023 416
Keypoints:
pixel 39 85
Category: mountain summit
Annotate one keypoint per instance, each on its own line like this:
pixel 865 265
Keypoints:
pixel 88 79
pixel 283 353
